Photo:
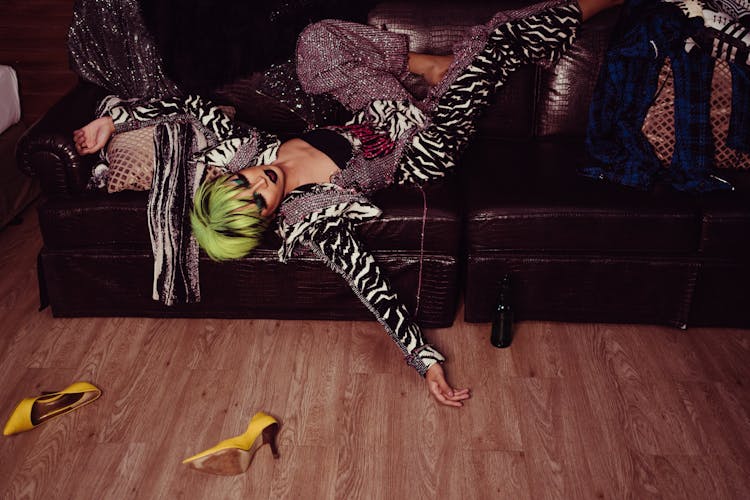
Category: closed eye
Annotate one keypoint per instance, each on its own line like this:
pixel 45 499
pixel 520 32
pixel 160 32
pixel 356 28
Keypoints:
pixel 260 202
pixel 242 181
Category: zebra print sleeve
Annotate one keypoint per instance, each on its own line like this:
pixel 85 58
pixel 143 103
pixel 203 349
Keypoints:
pixel 333 241
pixel 395 118
pixel 136 113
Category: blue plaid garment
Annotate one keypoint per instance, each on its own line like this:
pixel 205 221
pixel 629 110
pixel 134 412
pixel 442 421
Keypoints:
pixel 626 89
pixel 739 121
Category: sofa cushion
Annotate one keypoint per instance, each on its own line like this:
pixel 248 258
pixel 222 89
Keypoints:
pixel 725 218
pixel 566 88
pixel 579 287
pixel 528 196
pixel 720 297
pixel 117 282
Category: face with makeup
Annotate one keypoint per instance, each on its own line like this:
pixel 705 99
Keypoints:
pixel 263 185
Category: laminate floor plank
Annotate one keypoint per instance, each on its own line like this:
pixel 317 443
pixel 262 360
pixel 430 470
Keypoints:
pixel 539 401
pixel 495 474
pixel 537 353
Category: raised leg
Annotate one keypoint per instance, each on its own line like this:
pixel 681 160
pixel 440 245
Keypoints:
pixel 514 44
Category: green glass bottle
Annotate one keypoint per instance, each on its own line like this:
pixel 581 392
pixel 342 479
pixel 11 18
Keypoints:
pixel 502 321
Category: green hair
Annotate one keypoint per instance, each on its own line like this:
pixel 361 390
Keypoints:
pixel 225 225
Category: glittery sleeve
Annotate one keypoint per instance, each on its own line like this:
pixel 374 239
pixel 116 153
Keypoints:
pixel 353 62
pixel 110 45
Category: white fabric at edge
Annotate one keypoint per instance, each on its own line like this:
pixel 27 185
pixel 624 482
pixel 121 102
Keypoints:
pixel 10 104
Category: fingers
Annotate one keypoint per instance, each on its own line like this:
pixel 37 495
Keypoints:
pixel 442 398
pixel 445 389
pixel 86 143
pixel 445 395
pixel 79 140
pixel 443 392
pixel 461 394
pixel 94 136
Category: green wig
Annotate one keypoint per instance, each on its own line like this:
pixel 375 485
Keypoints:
pixel 226 226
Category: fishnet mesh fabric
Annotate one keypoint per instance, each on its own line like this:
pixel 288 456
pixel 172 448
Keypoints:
pixel 659 123
pixel 131 161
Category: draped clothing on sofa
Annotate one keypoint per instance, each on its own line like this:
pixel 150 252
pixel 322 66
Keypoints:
pixel 627 85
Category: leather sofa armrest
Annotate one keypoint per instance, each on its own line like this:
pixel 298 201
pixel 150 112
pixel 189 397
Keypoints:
pixel 46 149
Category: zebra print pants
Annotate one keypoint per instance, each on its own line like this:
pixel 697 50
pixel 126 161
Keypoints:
pixel 435 149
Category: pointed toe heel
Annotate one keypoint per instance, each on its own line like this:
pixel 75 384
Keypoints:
pixel 33 412
pixel 234 455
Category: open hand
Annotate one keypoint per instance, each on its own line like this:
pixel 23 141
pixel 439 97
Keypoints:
pixel 94 136
pixel 441 391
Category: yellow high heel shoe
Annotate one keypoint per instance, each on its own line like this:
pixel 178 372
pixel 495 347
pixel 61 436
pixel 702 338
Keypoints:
pixel 32 412
pixel 233 455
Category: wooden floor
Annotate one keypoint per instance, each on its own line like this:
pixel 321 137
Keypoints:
pixel 570 411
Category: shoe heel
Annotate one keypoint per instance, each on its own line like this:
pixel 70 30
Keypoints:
pixel 234 455
pixel 269 436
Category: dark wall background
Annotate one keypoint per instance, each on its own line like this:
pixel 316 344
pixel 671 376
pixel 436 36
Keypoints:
pixel 254 34
pixel 199 38
pixel 33 36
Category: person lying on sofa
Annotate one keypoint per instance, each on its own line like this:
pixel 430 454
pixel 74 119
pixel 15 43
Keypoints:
pixel 314 185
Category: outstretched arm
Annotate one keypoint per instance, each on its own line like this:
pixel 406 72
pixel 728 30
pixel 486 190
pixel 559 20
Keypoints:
pixel 133 114
pixel 333 241
pixel 224 138
pixel 119 115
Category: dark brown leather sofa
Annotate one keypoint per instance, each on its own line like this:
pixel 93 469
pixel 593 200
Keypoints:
pixel 577 249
